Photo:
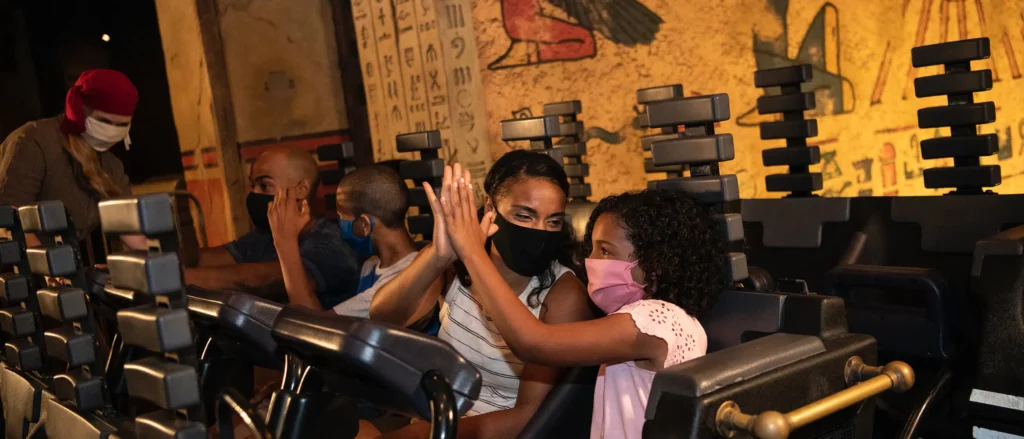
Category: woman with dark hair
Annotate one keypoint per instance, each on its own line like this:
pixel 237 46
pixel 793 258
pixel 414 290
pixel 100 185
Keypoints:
pixel 533 250
pixel 68 157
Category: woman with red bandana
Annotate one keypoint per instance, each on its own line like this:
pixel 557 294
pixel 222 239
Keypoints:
pixel 67 157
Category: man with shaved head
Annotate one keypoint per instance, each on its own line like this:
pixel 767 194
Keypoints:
pixel 284 183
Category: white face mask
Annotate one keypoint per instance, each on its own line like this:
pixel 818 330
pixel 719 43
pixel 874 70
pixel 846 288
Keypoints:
pixel 102 136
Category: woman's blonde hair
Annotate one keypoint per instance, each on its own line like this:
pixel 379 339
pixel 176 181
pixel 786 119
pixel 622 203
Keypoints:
pixel 90 162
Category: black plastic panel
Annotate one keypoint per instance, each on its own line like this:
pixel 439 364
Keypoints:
pixel 953 83
pixel 76 349
pixel 534 128
pixel 737 266
pixel 153 274
pixel 336 152
pixel 785 103
pixel 63 304
pixel 568 108
pixel 165 424
pixel 52 260
pixel 83 390
pixel 783 76
pixel 654 94
pixel 10 252
pixel 23 355
pixel 13 287
pixel 693 150
pixel 570 129
pixel 419 170
pixel 421 141
pixel 554 153
pixel 688 111
pixel 731 226
pixel 418 196
pixel 573 149
pixel 954 115
pixel 651 169
pixel 647 141
pixel 794 222
pixel 45 217
pixel 964 176
pixel 952 52
pixel 955 223
pixel 150 215
pixel 712 189
pixel 155 328
pixel 673 415
pixel 737 314
pixel 802 156
pixel 17 321
pixel 7 216
pixel 793 182
pixel 795 129
pixel 577 171
pixel 168 385
pixel 579 190
pixel 960 146
pixel 906 309
pixel 378 356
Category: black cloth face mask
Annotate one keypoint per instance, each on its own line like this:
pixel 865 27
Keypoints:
pixel 528 252
pixel 257 204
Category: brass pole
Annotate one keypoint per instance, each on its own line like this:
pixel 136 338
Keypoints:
pixel 896 375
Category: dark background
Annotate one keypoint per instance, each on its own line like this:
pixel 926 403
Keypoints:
pixel 46 44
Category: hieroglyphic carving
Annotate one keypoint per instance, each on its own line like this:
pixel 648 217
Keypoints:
pixel 435 83
pixel 416 99
pixel 362 14
pixel 465 93
pixel 421 69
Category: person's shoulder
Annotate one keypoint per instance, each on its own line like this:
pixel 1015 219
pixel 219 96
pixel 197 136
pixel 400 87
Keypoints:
pixel 326 227
pixel 43 132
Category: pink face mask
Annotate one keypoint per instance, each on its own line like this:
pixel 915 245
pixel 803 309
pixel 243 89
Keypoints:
pixel 611 285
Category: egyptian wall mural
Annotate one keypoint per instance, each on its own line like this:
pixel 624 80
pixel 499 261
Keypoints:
pixel 525 53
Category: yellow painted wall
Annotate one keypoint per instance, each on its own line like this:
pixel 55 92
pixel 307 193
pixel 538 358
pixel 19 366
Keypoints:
pixel 282 64
pixel 866 113
pixel 199 135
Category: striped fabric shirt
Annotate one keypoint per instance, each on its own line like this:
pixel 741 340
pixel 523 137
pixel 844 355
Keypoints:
pixel 471 332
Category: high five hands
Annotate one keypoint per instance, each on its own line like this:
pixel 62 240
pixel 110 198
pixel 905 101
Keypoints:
pixel 456 228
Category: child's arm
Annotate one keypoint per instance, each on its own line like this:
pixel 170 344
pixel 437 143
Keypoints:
pixel 612 339
pixel 414 291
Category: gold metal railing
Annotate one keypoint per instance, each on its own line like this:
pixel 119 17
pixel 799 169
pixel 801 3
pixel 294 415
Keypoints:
pixel 866 382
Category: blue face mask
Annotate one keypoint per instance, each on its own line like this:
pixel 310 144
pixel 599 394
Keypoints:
pixel 363 246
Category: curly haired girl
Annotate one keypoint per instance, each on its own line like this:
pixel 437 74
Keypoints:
pixel 655 262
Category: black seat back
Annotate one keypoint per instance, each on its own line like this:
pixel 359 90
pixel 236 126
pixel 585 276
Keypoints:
pixel 567 410
pixel 380 363
pixel 998 283
pixel 429 168
pixel 166 379
pixel 240 320
pixel 906 309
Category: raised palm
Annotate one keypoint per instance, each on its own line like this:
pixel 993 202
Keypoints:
pixel 442 244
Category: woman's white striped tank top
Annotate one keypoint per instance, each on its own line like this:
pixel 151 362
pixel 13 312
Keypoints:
pixel 465 326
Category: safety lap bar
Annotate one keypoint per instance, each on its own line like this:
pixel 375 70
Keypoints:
pixel 871 381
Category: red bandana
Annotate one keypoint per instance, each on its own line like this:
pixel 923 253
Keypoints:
pixel 105 90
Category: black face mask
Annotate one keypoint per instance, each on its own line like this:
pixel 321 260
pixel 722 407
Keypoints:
pixel 258 205
pixel 526 251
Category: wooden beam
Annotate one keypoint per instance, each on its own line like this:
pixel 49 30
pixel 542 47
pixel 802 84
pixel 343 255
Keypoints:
pixel 352 81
